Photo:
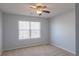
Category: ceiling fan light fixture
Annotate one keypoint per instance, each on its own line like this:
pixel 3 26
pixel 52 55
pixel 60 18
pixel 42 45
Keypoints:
pixel 40 8
pixel 39 12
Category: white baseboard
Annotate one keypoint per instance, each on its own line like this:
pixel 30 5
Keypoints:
pixel 29 45
pixel 73 52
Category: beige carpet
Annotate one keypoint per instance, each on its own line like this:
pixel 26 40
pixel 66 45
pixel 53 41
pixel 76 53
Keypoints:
pixel 42 50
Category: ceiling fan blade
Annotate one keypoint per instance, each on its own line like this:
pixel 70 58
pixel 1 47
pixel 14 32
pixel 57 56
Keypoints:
pixel 44 7
pixel 33 7
pixel 46 11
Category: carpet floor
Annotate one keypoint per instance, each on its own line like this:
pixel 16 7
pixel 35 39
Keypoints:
pixel 42 50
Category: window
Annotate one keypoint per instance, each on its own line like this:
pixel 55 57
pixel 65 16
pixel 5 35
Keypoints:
pixel 24 30
pixel 35 29
pixel 28 30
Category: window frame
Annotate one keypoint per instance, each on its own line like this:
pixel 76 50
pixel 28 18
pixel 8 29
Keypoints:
pixel 30 31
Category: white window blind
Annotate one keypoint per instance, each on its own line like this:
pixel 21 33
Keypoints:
pixel 29 30
pixel 35 29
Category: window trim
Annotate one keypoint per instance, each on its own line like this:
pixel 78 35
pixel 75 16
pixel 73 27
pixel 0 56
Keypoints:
pixel 31 30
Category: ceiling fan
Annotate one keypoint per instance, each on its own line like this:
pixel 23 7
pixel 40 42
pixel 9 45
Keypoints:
pixel 40 8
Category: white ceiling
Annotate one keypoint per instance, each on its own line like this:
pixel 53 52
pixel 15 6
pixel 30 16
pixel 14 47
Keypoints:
pixel 23 8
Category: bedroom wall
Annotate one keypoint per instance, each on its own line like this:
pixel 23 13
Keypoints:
pixel 10 33
pixel 0 33
pixel 62 31
pixel 77 29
